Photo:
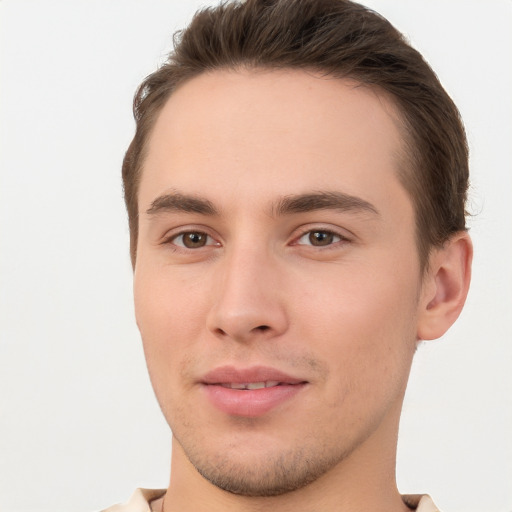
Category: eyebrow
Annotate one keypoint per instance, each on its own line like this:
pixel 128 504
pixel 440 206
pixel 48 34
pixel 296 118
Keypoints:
pixel 304 203
pixel 175 202
pixel 300 203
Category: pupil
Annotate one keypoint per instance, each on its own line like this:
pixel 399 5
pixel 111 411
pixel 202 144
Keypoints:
pixel 194 240
pixel 321 238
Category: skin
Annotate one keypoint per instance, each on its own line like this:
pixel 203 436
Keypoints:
pixel 344 315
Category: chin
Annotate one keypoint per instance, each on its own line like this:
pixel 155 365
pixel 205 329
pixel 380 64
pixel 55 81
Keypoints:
pixel 268 473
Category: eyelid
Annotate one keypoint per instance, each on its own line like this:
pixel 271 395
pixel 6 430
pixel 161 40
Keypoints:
pixel 171 235
pixel 183 246
pixel 304 230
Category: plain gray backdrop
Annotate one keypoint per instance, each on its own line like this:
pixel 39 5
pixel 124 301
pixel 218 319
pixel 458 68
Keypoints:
pixel 79 427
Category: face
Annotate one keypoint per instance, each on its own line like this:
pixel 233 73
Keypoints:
pixel 277 279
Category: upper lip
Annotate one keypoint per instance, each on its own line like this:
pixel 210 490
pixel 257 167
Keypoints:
pixel 233 375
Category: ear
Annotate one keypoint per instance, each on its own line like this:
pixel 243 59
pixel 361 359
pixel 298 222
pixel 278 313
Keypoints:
pixel 445 286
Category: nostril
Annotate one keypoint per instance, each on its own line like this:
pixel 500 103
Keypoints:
pixel 263 328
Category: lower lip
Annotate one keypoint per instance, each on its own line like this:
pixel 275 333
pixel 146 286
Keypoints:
pixel 250 402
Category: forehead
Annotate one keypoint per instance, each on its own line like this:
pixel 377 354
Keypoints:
pixel 281 132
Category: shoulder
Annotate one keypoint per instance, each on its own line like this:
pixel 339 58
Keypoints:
pixel 138 502
pixel 420 502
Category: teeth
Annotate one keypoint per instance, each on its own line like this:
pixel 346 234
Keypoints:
pixel 255 385
pixel 237 386
pixel 251 385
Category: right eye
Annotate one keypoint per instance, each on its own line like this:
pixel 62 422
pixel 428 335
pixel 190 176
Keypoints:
pixel 192 240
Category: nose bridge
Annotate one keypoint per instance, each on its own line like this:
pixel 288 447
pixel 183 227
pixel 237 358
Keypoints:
pixel 246 299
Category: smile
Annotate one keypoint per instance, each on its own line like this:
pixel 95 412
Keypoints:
pixel 250 392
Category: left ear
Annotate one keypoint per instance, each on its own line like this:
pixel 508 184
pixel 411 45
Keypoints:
pixel 445 286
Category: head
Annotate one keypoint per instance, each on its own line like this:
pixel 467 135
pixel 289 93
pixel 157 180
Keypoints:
pixel 338 39
pixel 296 198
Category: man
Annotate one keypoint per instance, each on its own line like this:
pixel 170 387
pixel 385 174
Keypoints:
pixel 296 195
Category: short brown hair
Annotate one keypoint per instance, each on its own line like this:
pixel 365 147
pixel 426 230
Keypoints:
pixel 337 38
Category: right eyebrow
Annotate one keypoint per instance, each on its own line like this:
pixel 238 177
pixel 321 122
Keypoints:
pixel 175 202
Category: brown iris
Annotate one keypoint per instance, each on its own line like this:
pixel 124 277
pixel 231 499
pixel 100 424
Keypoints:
pixel 194 239
pixel 321 238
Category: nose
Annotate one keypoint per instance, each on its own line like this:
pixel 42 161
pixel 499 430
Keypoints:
pixel 247 302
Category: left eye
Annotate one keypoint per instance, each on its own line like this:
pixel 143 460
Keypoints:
pixel 319 238
pixel 192 240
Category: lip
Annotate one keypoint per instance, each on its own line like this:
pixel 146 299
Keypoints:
pixel 249 402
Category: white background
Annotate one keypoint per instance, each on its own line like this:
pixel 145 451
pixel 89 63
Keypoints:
pixel 79 427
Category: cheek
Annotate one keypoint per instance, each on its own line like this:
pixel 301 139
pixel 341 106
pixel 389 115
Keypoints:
pixel 365 326
pixel 170 314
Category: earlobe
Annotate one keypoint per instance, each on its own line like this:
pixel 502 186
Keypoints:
pixel 445 286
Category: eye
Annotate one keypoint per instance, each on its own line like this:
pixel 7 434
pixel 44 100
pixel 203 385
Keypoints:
pixel 192 240
pixel 319 238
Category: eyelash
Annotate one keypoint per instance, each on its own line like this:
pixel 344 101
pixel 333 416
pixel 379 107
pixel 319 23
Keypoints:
pixel 329 232
pixel 171 240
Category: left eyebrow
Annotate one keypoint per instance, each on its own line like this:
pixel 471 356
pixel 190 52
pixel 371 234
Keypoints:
pixel 330 200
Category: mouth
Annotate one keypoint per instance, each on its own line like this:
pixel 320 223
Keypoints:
pixel 251 385
pixel 250 392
